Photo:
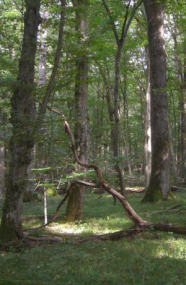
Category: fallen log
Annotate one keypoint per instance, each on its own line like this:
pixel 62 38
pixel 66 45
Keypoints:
pixel 177 188
pixel 136 190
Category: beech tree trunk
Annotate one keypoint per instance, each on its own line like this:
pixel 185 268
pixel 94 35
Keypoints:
pixel 82 133
pixel 160 175
pixel 116 120
pixel 147 124
pixel 22 141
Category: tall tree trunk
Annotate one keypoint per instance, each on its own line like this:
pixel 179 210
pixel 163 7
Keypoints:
pixel 160 175
pixel 107 85
pixel 82 133
pixel 183 115
pixel 181 75
pixel 2 157
pixel 23 127
pixel 120 42
pixel 172 156
pixel 147 124
pixel 116 120
pixel 22 141
pixel 125 123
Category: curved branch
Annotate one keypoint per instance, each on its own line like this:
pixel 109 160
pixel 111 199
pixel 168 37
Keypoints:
pixel 129 210
pixel 140 224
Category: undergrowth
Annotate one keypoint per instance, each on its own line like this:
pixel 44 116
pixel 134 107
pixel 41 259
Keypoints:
pixel 148 258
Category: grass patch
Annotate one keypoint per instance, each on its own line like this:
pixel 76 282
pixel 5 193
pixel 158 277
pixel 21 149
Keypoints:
pixel 144 259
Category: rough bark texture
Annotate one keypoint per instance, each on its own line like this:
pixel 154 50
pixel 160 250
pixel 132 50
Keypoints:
pixel 82 134
pixel 23 127
pixel 160 175
pixel 22 141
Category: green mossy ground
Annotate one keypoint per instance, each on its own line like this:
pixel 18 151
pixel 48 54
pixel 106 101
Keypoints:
pixel 149 258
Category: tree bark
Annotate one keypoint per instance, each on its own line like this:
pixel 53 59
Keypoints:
pixel 147 124
pixel 160 175
pixel 82 133
pixel 22 141
pixel 120 42
pixel 23 127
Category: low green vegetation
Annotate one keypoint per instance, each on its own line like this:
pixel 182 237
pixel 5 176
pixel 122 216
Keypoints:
pixel 149 258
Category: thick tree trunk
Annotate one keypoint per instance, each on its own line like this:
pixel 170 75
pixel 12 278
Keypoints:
pixel 159 181
pixel 82 134
pixel 22 141
pixel 23 127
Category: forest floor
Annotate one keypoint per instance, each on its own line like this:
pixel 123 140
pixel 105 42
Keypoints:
pixel 150 258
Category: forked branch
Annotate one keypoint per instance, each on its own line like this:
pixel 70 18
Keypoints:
pixel 139 224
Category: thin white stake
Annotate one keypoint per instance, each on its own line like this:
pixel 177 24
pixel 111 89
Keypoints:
pixel 45 206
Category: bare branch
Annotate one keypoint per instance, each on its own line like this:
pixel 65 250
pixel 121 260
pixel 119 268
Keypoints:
pixel 126 26
pixel 124 23
pixel 112 22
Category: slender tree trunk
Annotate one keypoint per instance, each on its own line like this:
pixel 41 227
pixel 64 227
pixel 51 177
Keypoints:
pixel 22 141
pixel 116 120
pixel 172 156
pixel 160 175
pixel 120 42
pixel 124 92
pixel 82 133
pixel 42 52
pixel 147 124
pixel 181 75
pixel 183 115
pixel 2 158
pixel 106 80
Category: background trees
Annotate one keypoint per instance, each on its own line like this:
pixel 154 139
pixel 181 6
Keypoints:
pixel 160 173
pixel 112 107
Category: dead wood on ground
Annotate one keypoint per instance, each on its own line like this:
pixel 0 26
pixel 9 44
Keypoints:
pixel 139 224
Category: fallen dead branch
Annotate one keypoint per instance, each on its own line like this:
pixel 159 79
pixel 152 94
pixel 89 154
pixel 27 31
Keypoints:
pixel 137 190
pixel 177 188
pixel 164 210
pixel 42 238
pixel 139 224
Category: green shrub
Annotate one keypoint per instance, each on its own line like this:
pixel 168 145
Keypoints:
pixel 51 192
